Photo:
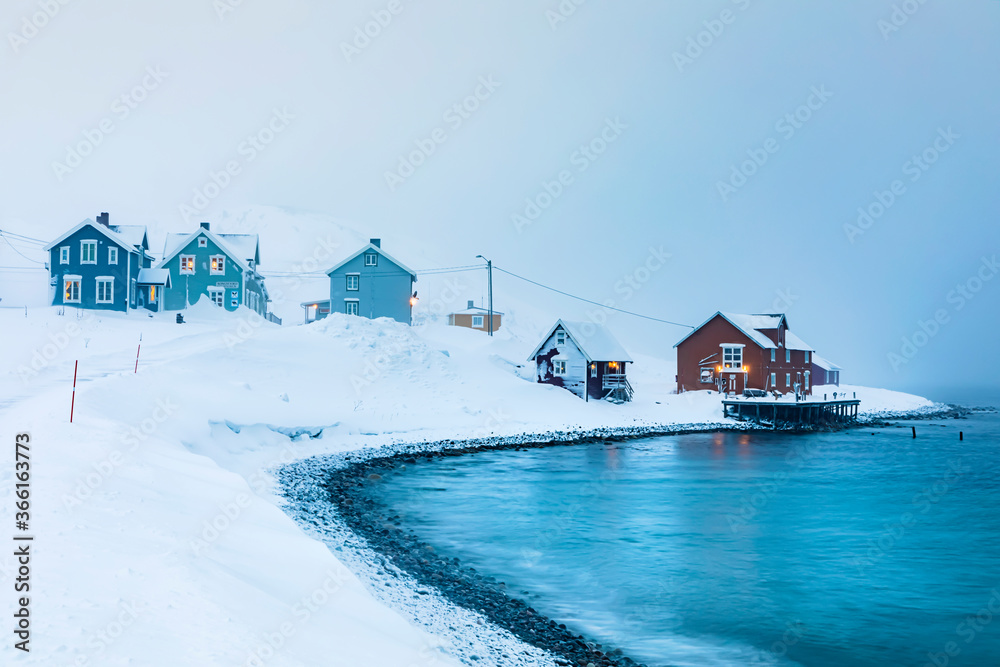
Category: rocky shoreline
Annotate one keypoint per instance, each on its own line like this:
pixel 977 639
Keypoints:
pixel 343 489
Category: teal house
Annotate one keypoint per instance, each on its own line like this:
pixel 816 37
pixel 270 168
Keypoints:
pixel 100 266
pixel 219 267
pixel 370 283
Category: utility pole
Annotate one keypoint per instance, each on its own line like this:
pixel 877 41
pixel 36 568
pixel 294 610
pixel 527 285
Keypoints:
pixel 489 271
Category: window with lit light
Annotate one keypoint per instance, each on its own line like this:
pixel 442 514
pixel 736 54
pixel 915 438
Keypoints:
pixel 559 367
pixel 187 264
pixel 732 357
pixel 71 290
pixel 593 370
pixel 218 265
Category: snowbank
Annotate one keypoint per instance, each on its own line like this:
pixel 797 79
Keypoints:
pixel 158 531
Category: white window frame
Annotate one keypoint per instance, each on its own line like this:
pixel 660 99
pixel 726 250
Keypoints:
pixel 709 372
pixel 83 253
pixel 97 289
pixel 735 362
pixel 593 370
pixel 202 242
pixel 356 280
pixel 79 288
pixel 806 353
pixel 219 292
pixel 788 380
pixel 131 294
pixel 352 305
pixel 112 255
pixel 64 254
pixel 217 259
pixel 560 337
pixel 559 367
pixel 773 354
pixel 371 259
pixel 478 322
pixel 788 356
pixel 187 259
pixel 774 380
pixel 805 378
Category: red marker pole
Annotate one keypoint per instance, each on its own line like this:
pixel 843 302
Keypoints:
pixel 73 402
pixel 137 355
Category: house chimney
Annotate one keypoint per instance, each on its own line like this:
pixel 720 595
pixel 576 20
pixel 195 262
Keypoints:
pixel 205 225
pixel 472 304
pixel 376 242
pixel 102 219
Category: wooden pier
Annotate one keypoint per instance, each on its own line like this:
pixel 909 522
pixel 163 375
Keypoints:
pixel 801 412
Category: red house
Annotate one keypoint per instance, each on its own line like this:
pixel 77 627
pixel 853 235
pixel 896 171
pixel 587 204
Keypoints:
pixel 731 352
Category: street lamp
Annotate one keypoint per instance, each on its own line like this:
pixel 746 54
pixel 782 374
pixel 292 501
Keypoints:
pixel 489 270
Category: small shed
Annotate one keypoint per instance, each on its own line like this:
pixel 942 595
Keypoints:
pixel 474 317
pixel 584 358
pixel 825 371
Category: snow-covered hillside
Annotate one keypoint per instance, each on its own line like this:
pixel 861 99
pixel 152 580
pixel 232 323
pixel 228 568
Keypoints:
pixel 159 489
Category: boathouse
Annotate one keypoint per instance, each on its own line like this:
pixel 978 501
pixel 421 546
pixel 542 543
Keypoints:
pixel 731 352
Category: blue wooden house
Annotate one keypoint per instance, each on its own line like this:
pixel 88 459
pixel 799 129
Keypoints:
pixel 101 266
pixel 219 267
pixel 370 283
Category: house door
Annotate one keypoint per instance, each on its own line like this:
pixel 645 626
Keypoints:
pixel 732 383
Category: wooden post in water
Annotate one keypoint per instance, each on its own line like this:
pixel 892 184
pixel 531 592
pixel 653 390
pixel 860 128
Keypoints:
pixel 961 436
pixel 914 431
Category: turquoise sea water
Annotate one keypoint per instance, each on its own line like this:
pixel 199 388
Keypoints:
pixel 738 549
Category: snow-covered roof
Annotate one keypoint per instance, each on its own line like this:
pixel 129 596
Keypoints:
pixel 750 325
pixel 132 234
pixel 246 246
pixel 793 342
pixel 369 248
pixel 241 248
pixel 824 363
pixel 595 341
pixel 154 277
pixel 119 239
pixel 475 310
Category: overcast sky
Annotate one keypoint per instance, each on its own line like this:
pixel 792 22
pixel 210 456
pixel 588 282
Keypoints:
pixel 830 102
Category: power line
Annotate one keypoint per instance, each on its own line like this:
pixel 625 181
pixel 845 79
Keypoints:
pixel 18 251
pixel 579 298
pixel 23 237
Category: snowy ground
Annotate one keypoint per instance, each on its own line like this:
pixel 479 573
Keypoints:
pixel 159 539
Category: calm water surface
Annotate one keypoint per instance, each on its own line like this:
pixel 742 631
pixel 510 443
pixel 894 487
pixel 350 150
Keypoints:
pixel 736 549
